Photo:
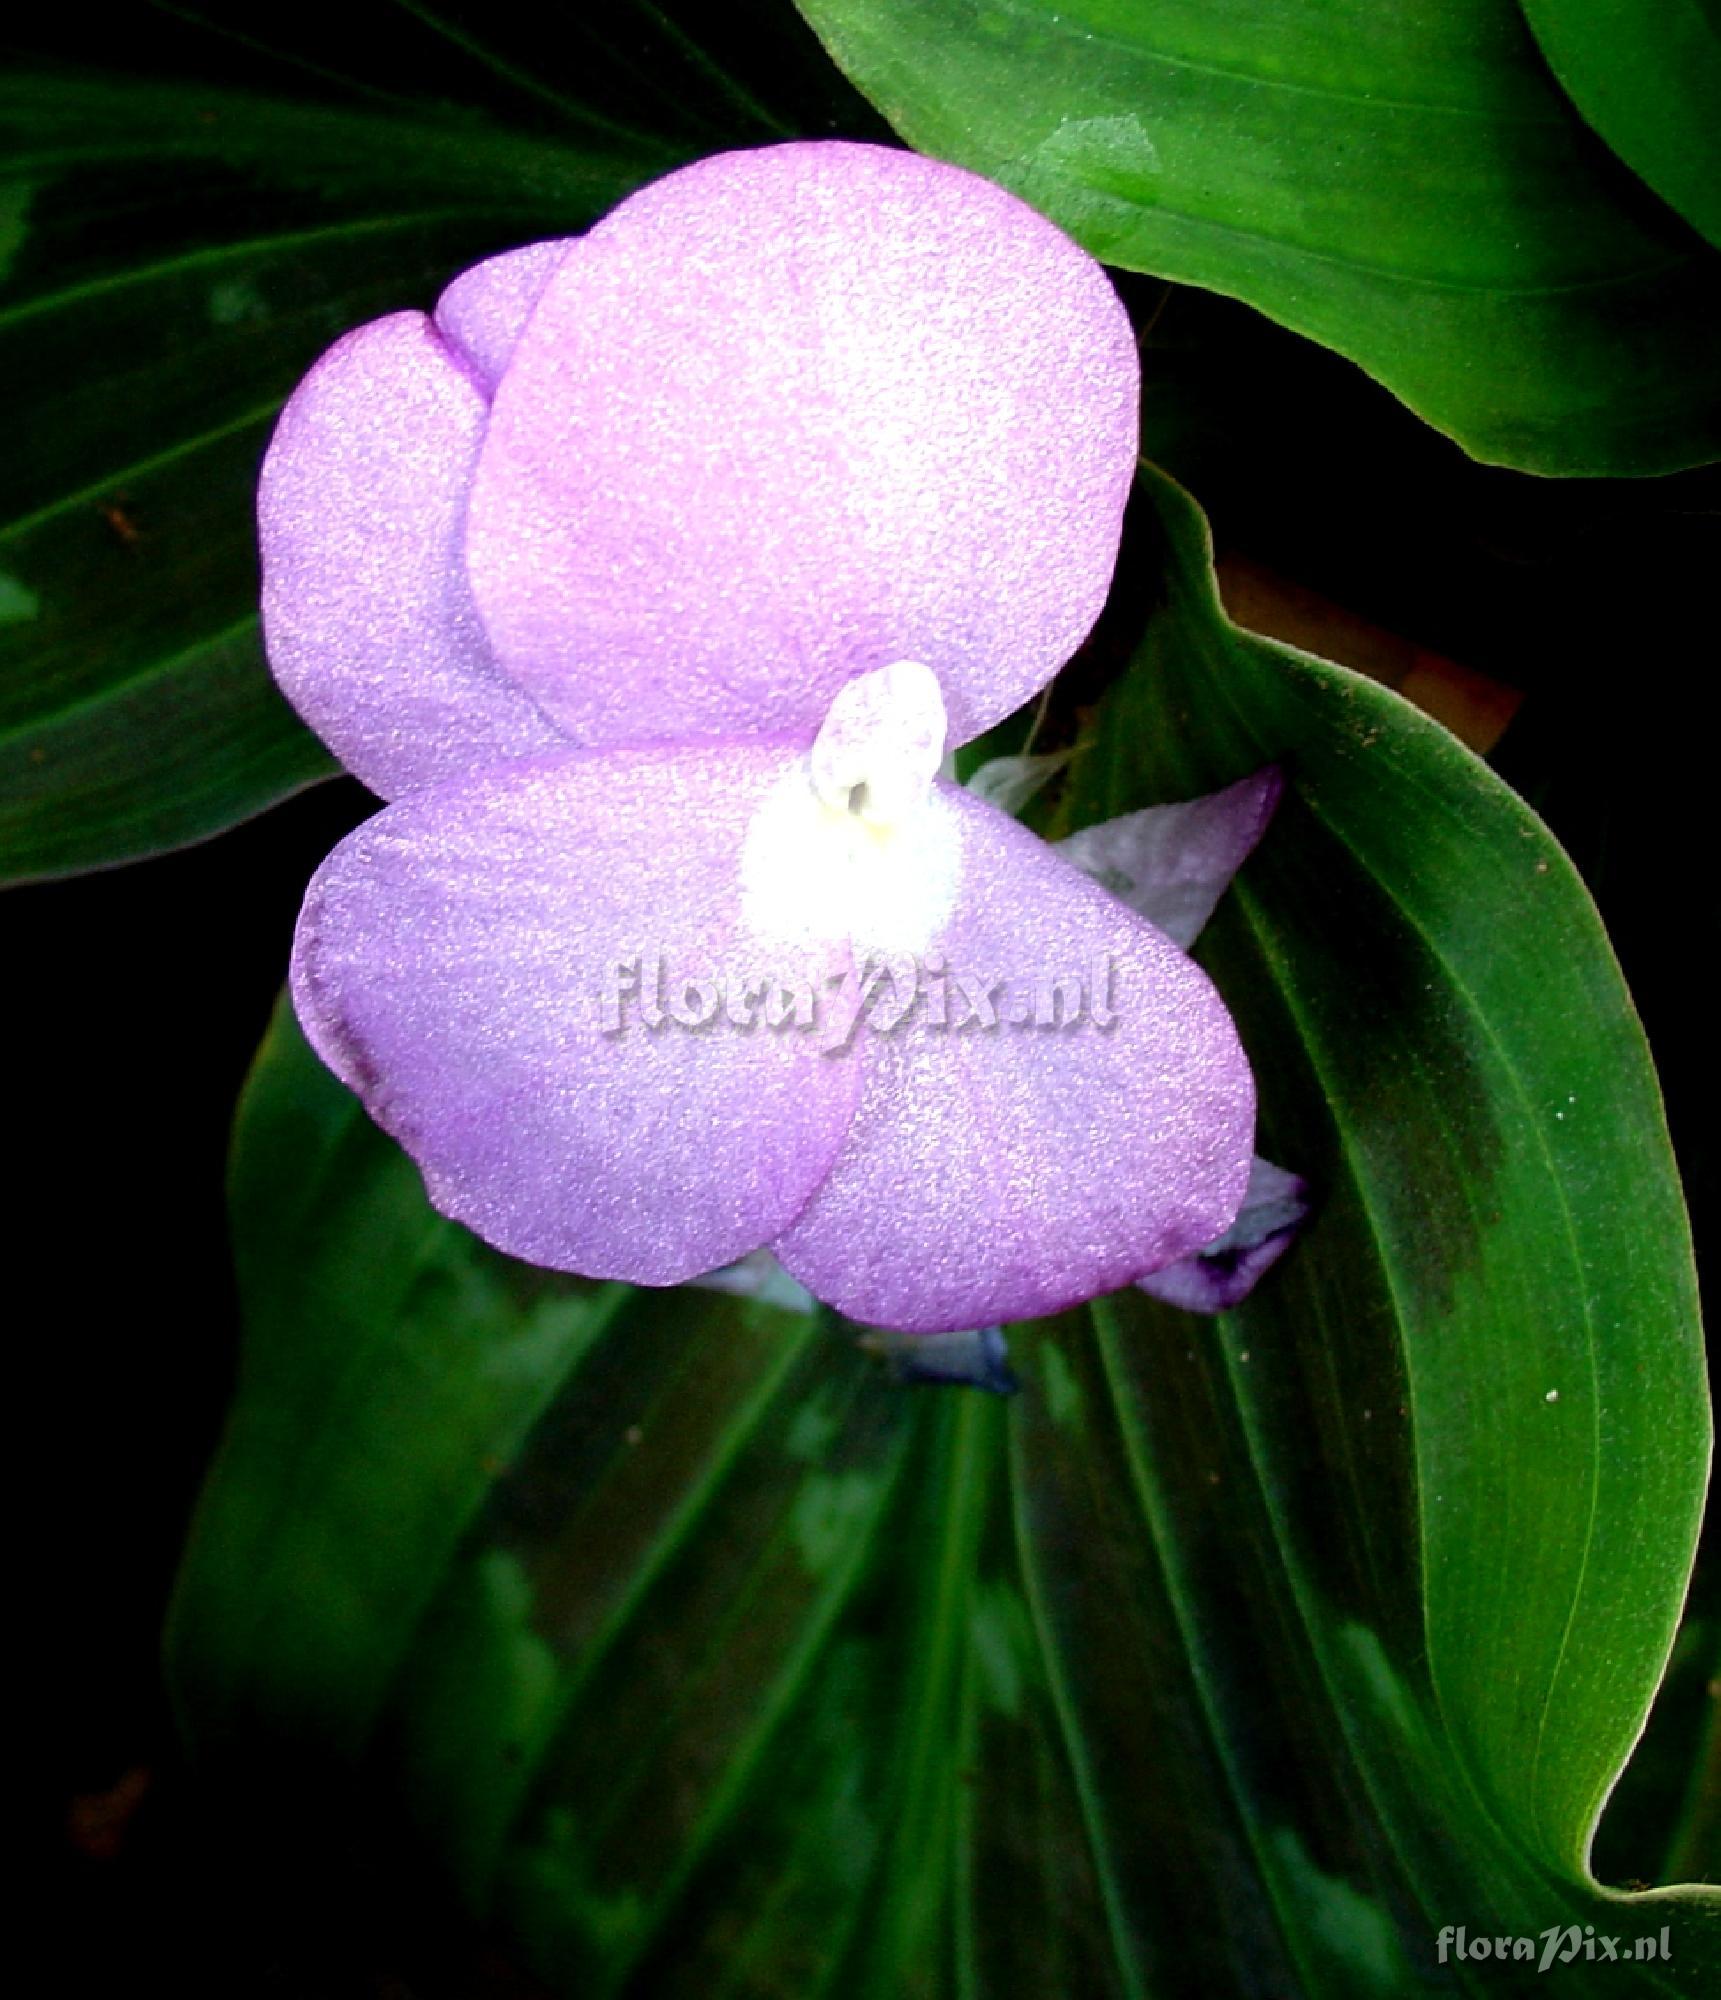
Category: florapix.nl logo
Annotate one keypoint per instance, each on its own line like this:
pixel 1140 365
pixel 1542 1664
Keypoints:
pixel 644 990
pixel 1559 1944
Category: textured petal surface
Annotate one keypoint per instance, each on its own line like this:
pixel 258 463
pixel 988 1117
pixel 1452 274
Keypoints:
pixel 484 311
pixel 1224 1273
pixel 998 1172
pixel 454 965
pixel 367 617
pixel 1171 864
pixel 796 413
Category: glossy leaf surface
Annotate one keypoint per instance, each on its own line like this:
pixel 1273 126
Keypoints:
pixel 1404 183
pixel 1647 76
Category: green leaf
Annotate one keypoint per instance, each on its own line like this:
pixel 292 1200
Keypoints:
pixel 181 234
pixel 1405 184
pixel 1647 76
pixel 1230 1657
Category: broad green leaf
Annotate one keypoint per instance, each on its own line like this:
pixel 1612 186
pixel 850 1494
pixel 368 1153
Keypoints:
pixel 181 233
pixel 1229 1657
pixel 1404 183
pixel 1647 76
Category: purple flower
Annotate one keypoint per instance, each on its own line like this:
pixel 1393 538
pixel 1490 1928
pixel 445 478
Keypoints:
pixel 651 580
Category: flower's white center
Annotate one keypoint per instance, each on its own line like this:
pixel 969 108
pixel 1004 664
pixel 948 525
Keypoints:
pixel 880 746
pixel 854 843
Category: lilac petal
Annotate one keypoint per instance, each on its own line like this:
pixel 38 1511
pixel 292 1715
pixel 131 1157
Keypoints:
pixel 793 414
pixel 483 313
pixel 997 1173
pixel 452 965
pixel 1173 863
pixel 1229 1268
pixel 367 618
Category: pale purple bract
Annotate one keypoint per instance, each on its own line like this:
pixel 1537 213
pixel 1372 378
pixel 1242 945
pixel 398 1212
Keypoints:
pixel 573 573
